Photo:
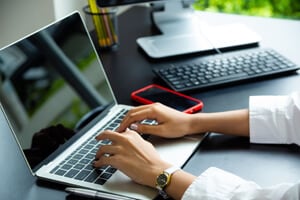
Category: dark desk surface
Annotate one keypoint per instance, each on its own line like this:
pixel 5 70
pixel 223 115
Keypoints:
pixel 129 69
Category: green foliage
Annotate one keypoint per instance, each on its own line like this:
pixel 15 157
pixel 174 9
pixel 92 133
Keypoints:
pixel 266 8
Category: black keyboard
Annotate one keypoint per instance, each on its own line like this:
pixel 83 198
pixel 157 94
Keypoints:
pixel 225 68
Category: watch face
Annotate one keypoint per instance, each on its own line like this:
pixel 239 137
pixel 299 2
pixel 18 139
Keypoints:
pixel 162 180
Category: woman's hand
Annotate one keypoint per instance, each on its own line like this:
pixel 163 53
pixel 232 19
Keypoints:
pixel 171 123
pixel 131 154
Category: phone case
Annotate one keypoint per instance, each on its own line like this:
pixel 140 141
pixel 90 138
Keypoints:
pixel 195 108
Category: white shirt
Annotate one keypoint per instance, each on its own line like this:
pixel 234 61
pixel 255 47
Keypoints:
pixel 273 119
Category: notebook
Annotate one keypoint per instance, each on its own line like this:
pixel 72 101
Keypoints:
pixel 57 98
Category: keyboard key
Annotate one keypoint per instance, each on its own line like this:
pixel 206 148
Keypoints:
pixel 60 172
pixel 111 170
pixel 72 162
pixel 79 166
pixel 233 76
pixel 66 167
pixel 89 167
pixel 85 161
pixel 88 146
pixel 82 175
pixel 71 173
pixel 77 156
pixel 101 181
pixel 54 170
pixel 92 176
pixel 90 156
pixel 83 151
pixel 105 175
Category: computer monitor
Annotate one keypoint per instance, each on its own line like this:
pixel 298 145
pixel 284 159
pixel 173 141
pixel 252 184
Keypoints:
pixel 174 18
pixel 181 30
pixel 168 15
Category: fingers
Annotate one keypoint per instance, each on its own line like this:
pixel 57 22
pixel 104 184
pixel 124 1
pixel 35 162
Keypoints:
pixel 105 155
pixel 107 150
pixel 108 135
pixel 146 129
pixel 122 147
pixel 138 114
pixel 132 116
pixel 104 161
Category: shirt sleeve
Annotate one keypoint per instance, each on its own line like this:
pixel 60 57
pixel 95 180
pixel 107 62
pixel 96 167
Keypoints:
pixel 216 184
pixel 275 119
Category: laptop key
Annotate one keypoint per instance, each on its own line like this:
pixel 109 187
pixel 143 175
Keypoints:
pixel 90 156
pixel 85 161
pixel 72 162
pixel 77 156
pixel 72 173
pixel 82 175
pixel 88 146
pixel 54 170
pixel 60 172
pixel 92 177
pixel 66 167
pixel 105 175
pixel 94 151
pixel 93 142
pixel 111 170
pixel 100 181
pixel 89 167
pixel 83 151
pixel 79 166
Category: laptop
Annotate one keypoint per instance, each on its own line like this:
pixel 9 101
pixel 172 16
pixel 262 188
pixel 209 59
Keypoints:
pixel 56 98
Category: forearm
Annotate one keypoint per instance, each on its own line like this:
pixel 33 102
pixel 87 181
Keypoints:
pixel 230 122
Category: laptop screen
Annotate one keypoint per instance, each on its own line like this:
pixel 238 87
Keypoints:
pixel 52 84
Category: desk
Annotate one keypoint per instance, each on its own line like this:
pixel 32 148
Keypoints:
pixel 265 164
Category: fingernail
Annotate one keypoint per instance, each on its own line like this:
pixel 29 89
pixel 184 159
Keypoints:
pixel 134 126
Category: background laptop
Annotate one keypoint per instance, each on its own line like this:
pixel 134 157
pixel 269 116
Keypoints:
pixel 57 98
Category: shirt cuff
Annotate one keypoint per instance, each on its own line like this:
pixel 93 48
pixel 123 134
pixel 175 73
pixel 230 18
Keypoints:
pixel 217 184
pixel 214 184
pixel 266 115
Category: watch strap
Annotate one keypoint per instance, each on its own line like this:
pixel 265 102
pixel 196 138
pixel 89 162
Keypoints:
pixel 171 170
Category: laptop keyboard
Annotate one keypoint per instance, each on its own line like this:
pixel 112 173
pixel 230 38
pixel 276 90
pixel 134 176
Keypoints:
pixel 79 165
pixel 224 69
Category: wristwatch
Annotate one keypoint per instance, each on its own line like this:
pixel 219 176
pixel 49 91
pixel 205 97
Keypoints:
pixel 163 180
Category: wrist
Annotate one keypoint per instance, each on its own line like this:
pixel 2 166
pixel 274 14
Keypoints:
pixel 198 123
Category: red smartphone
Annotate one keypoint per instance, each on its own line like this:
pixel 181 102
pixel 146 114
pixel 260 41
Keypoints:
pixel 155 93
